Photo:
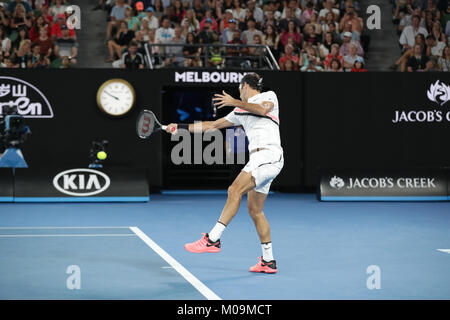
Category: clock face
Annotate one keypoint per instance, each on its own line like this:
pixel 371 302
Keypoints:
pixel 116 97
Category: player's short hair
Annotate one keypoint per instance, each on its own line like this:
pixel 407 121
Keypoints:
pixel 253 80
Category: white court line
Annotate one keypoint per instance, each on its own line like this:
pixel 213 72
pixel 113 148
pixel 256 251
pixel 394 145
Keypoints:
pixel 38 228
pixel 204 290
pixel 68 235
pixel 444 250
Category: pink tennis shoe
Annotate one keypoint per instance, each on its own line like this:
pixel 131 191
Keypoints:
pixel 264 267
pixel 203 245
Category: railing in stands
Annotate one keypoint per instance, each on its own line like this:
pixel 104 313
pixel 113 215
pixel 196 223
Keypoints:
pixel 230 55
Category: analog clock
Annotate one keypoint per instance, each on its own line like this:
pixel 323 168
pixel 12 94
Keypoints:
pixel 116 97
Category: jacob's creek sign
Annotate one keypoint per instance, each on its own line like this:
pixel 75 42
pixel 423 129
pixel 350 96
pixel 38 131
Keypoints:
pixel 439 94
pixel 209 77
pixel 350 185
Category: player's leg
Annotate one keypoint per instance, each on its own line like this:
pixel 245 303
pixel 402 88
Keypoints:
pixel 255 204
pixel 211 242
pixel 240 186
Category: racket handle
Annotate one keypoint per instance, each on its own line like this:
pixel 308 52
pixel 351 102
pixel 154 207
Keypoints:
pixel 163 128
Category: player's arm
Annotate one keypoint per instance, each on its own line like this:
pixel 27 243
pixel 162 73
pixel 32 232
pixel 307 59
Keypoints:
pixel 223 100
pixel 201 126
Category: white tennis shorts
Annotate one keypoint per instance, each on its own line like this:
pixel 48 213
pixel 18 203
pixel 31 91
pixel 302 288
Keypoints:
pixel 264 166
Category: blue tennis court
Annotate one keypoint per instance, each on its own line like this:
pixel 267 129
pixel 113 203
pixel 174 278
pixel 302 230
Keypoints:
pixel 135 250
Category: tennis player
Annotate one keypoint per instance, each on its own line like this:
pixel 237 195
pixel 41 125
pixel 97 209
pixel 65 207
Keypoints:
pixel 257 112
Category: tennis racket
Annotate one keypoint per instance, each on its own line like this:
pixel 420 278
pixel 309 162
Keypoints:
pixel 147 123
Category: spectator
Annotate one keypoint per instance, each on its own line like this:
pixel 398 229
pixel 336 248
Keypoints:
pixel 272 39
pixel 306 15
pixel 348 29
pixel 335 66
pixel 23 55
pixel 288 54
pixel 313 22
pixel 165 33
pixel 256 51
pixel 431 66
pixel 39 23
pixel 329 19
pixel 207 35
pixel 191 53
pixel 178 10
pixel 238 12
pixel 45 43
pixel 296 11
pixel 270 21
pixel 407 18
pixel 228 33
pixel 139 6
pixel 5 43
pixel 418 61
pixel 198 9
pixel 56 32
pixel 66 46
pixel 57 8
pixel 153 22
pixel 407 38
pixel 324 48
pixel 328 8
pixel 335 34
pixel 214 26
pixel 248 35
pixel 333 55
pixel 434 48
pixel 358 66
pixel 216 58
pixel 289 65
pixel 120 41
pixel 291 32
pixel 20 18
pixel 225 20
pixel 311 35
pixel 174 54
pixel 444 60
pixel 12 6
pixel 345 47
pixel 257 12
pixel 117 15
pixel 131 20
pixel 284 23
pixel 133 59
pixel 351 57
pixel 191 20
pixel 159 9
pixel 420 39
pixel 22 36
pixel 235 52
pixel 36 60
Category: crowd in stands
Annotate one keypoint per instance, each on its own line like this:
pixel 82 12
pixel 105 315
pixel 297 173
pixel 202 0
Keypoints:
pixel 423 27
pixel 302 35
pixel 35 34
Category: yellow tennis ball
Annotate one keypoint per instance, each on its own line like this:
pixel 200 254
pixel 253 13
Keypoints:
pixel 101 155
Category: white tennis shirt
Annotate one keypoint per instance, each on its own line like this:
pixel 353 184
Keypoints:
pixel 261 131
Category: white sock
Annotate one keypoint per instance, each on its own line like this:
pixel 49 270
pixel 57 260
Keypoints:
pixel 217 231
pixel 267 251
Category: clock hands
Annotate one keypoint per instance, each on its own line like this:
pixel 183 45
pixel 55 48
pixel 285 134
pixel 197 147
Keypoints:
pixel 111 95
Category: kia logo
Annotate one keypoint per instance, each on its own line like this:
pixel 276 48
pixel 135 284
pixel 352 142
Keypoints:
pixel 81 182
